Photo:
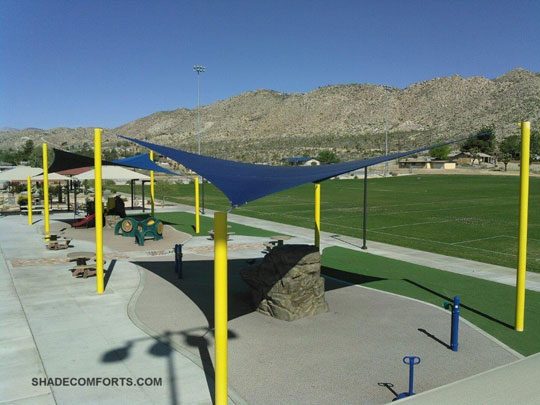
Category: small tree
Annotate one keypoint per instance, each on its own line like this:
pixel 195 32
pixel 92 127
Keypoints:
pixel 440 152
pixel 27 149
pixel 327 156
pixel 510 146
pixel 483 141
pixel 506 157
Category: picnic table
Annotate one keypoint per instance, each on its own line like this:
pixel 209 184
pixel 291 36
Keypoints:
pixel 57 242
pixel 81 257
pixel 276 240
pixel 279 239
pixel 82 268
pixel 211 233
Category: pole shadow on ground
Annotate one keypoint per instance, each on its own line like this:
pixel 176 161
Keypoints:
pixel 163 346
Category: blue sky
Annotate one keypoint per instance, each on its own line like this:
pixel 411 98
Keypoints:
pixel 104 63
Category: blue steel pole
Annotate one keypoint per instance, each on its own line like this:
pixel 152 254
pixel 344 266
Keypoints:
pixel 411 378
pixel 454 335
pixel 178 260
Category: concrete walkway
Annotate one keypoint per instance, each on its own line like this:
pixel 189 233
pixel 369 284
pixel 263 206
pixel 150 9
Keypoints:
pixel 486 271
pixel 56 326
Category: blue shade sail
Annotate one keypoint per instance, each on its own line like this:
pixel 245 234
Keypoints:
pixel 143 161
pixel 245 182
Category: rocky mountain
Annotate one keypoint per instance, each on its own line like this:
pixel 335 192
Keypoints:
pixel 351 119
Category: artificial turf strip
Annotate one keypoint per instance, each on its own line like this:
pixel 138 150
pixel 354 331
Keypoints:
pixel 184 222
pixel 488 305
pixel 468 216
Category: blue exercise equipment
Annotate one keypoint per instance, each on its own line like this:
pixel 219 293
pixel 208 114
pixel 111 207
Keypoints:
pixel 411 361
pixel 454 327
pixel 178 260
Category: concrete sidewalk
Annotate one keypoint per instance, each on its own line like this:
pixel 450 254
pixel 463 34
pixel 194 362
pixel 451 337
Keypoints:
pixel 485 271
pixel 54 325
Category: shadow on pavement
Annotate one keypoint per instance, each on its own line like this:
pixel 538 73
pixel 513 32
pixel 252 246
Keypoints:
pixel 390 388
pixel 162 347
pixel 108 273
pixel 435 338
pixel 198 283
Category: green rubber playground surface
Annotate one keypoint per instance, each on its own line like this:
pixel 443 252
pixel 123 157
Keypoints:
pixel 488 305
pixel 473 217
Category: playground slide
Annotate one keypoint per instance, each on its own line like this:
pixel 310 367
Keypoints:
pixel 87 221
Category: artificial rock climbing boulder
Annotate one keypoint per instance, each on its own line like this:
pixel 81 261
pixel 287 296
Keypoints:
pixel 287 284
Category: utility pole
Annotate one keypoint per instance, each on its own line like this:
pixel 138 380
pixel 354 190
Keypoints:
pixel 199 69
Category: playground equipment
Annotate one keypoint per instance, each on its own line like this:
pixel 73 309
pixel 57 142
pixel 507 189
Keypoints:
pixel 178 264
pixel 126 227
pixel 148 228
pixel 411 361
pixel 454 328
pixel 87 222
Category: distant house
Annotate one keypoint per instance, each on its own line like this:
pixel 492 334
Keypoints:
pixel 425 162
pixel 422 162
pixel 442 164
pixel 485 158
pixel 301 161
pixel 466 158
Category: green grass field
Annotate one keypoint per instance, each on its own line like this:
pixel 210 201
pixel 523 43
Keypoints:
pixel 473 217
pixel 488 305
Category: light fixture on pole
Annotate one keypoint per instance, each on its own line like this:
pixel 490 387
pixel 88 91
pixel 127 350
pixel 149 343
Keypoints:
pixel 199 69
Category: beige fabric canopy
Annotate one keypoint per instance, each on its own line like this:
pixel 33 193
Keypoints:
pixel 113 173
pixel 52 177
pixel 19 173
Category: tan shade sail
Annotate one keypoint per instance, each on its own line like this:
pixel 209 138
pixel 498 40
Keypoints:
pixel 113 173
pixel 52 177
pixel 19 173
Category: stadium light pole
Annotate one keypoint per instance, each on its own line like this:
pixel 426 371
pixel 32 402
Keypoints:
pixel 199 69
pixel 386 141
pixel 364 226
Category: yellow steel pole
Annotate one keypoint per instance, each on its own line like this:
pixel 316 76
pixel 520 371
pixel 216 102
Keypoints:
pixel 317 214
pixel 29 199
pixel 98 210
pixel 197 213
pixel 46 192
pixel 523 224
pixel 220 305
pixel 152 189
